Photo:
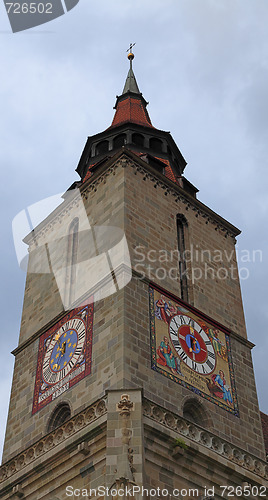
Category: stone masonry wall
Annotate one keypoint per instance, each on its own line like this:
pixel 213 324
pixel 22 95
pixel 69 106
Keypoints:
pixel 104 207
pixel 151 224
pixel 121 334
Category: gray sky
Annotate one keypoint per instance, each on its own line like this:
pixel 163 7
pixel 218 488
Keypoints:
pixel 203 65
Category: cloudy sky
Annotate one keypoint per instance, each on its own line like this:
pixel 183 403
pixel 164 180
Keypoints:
pixel 203 65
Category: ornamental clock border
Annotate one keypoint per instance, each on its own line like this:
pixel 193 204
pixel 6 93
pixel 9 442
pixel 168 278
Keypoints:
pixel 191 349
pixel 64 356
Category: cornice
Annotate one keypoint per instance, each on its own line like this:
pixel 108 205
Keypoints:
pixel 126 158
pixel 51 441
pixel 204 439
pixel 122 159
pixel 38 333
pixel 79 303
pixel 82 300
pixel 198 437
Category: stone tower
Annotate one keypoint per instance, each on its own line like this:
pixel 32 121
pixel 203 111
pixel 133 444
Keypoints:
pixel 133 368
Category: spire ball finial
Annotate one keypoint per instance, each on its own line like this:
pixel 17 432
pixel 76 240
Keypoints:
pixel 130 53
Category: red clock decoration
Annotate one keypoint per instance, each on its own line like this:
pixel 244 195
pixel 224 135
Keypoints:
pixel 192 344
pixel 191 349
pixel 64 356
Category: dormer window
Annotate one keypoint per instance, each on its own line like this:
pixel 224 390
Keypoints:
pixel 119 141
pixel 102 147
pixel 156 145
pixel 138 139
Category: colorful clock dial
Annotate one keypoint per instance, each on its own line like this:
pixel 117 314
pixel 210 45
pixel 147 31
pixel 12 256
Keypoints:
pixel 192 344
pixel 191 349
pixel 64 356
pixel 64 350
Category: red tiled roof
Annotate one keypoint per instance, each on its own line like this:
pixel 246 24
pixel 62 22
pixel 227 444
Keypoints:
pixel 89 172
pixel 168 170
pixel 170 174
pixel 131 110
pixel 264 422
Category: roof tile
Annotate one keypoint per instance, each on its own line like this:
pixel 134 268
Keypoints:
pixel 131 110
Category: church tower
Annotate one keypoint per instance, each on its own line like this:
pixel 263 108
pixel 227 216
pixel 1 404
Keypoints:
pixel 133 368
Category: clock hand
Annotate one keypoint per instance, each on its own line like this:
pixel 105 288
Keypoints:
pixel 63 347
pixel 62 352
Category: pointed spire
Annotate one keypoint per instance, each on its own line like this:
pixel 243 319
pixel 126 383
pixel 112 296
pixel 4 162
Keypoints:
pixel 131 82
pixel 131 105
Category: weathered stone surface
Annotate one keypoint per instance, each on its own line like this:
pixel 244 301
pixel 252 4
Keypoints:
pixel 227 449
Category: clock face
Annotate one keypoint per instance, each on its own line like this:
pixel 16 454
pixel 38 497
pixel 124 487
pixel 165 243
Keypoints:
pixel 191 349
pixel 64 350
pixel 64 356
pixel 192 344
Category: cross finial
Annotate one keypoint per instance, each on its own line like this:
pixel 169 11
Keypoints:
pixel 130 53
pixel 131 45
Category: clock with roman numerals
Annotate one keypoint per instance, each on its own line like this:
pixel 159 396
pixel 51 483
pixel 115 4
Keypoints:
pixel 64 356
pixel 192 344
pixel 191 349
pixel 64 350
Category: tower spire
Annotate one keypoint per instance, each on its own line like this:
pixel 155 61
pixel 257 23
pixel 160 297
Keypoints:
pixel 130 105
pixel 131 82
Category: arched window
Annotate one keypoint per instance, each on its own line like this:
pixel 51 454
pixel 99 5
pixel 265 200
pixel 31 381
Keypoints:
pixel 138 139
pixel 183 271
pixel 72 250
pixel 194 412
pixel 102 147
pixel 156 145
pixel 61 413
pixel 119 141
